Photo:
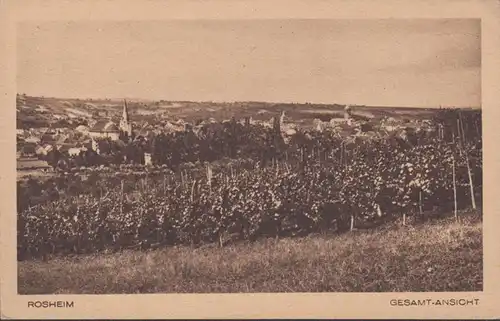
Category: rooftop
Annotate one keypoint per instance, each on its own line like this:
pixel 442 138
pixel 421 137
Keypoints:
pixel 105 126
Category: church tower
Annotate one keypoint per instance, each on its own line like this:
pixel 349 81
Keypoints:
pixel 125 125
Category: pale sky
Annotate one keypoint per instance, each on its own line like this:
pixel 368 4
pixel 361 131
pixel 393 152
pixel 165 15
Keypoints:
pixel 372 62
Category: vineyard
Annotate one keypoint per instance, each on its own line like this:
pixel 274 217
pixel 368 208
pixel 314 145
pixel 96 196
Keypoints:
pixel 311 182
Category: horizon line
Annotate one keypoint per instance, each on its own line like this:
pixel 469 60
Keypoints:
pixel 250 101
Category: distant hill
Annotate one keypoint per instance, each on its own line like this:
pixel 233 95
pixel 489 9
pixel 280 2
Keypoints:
pixel 42 111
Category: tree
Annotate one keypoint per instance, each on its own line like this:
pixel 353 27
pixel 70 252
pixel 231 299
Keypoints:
pixel 53 157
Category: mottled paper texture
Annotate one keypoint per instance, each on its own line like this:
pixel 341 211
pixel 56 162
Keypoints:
pixel 256 117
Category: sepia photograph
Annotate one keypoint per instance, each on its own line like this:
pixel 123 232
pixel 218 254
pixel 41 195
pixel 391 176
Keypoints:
pixel 244 156
pixel 284 159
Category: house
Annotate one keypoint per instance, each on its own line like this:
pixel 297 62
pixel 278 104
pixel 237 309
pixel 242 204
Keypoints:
pixel 145 132
pixel 48 148
pixel 28 150
pixel 173 127
pixel 64 148
pixel 82 129
pixel 147 159
pixel 47 138
pixel 87 143
pixel 347 112
pixel 47 130
pixel 33 140
pixel 105 128
pixel 33 164
pixel 40 150
pixel 62 139
pixel 318 125
pixel 75 151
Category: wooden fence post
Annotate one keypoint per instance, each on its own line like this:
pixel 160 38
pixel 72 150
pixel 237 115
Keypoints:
pixel 192 191
pixel 121 197
pixel 420 201
pixel 454 191
pixel 471 184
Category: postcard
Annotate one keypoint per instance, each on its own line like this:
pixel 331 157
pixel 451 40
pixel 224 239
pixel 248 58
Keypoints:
pixel 250 159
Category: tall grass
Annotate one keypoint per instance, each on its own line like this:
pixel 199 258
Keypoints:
pixel 443 255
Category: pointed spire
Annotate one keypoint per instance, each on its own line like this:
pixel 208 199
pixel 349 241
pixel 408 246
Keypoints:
pixel 125 125
pixel 125 111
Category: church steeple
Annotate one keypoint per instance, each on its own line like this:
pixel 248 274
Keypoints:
pixel 125 111
pixel 125 125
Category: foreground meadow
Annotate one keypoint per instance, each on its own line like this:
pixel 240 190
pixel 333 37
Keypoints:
pixel 438 255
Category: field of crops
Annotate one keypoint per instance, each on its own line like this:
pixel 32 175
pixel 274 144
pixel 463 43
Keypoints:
pixel 314 182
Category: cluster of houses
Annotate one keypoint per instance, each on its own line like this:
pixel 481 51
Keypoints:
pixel 347 123
pixel 364 126
pixel 40 141
pixel 36 142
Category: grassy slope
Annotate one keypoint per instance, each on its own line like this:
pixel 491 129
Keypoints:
pixel 436 256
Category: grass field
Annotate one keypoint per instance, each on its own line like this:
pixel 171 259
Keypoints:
pixel 440 255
